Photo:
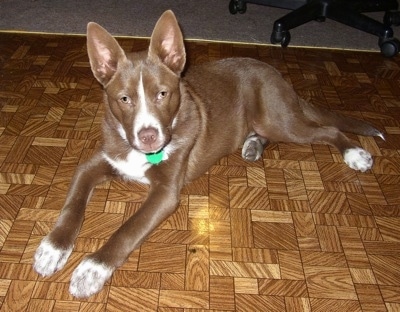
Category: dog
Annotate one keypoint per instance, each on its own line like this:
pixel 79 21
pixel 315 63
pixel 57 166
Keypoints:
pixel 166 125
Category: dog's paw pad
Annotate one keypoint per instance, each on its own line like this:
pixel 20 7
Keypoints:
pixel 89 278
pixel 358 159
pixel 252 149
pixel 49 259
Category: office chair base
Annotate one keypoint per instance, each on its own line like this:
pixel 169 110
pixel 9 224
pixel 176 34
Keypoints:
pixel 307 10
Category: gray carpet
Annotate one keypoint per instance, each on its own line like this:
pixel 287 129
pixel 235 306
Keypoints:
pixel 206 20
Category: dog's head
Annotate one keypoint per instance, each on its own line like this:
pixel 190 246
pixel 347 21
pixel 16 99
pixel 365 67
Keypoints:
pixel 142 89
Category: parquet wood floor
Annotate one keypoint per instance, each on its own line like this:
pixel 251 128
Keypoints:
pixel 295 231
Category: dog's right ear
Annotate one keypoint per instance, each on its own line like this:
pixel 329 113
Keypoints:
pixel 104 53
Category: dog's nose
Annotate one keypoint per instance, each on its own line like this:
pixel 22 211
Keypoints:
pixel 148 135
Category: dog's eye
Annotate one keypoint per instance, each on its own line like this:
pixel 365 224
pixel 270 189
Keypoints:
pixel 125 100
pixel 161 95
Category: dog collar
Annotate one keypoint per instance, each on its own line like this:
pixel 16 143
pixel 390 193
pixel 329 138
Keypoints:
pixel 155 158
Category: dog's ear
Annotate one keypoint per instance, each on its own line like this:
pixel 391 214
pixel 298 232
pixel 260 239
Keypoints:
pixel 104 53
pixel 166 43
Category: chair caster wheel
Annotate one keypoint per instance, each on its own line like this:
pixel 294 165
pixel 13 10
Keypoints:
pixel 236 6
pixel 389 47
pixel 282 37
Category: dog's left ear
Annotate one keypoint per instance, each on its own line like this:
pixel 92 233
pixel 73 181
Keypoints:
pixel 166 43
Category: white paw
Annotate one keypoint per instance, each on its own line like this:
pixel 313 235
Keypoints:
pixel 48 259
pixel 358 159
pixel 252 149
pixel 89 278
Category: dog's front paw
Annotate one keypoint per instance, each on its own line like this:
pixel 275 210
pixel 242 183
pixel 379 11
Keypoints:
pixel 49 259
pixel 89 278
pixel 358 159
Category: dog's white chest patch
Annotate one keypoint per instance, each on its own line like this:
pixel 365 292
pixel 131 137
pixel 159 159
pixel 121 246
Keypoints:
pixel 133 167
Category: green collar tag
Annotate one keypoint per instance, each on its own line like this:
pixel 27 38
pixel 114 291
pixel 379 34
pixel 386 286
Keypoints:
pixel 155 158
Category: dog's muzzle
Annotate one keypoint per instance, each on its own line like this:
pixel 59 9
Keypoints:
pixel 150 140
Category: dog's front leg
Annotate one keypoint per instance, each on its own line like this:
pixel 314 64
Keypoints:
pixel 91 274
pixel 56 247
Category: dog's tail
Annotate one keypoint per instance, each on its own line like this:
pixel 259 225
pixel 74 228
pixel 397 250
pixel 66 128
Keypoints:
pixel 343 123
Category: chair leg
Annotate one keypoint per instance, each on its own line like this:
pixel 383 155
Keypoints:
pixel 284 4
pixel 308 12
pixel 389 46
pixel 359 21
pixel 300 16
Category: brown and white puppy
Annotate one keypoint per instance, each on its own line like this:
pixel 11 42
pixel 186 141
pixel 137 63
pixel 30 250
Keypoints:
pixel 166 129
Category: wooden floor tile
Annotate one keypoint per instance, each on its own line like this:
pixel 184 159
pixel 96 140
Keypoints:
pixel 295 231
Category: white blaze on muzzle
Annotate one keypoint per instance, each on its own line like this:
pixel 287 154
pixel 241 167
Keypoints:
pixel 147 128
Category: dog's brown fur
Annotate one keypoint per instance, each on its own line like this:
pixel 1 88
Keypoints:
pixel 204 115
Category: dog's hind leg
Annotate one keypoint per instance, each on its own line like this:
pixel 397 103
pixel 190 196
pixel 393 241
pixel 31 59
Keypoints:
pixel 354 156
pixel 253 147
pixel 309 132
